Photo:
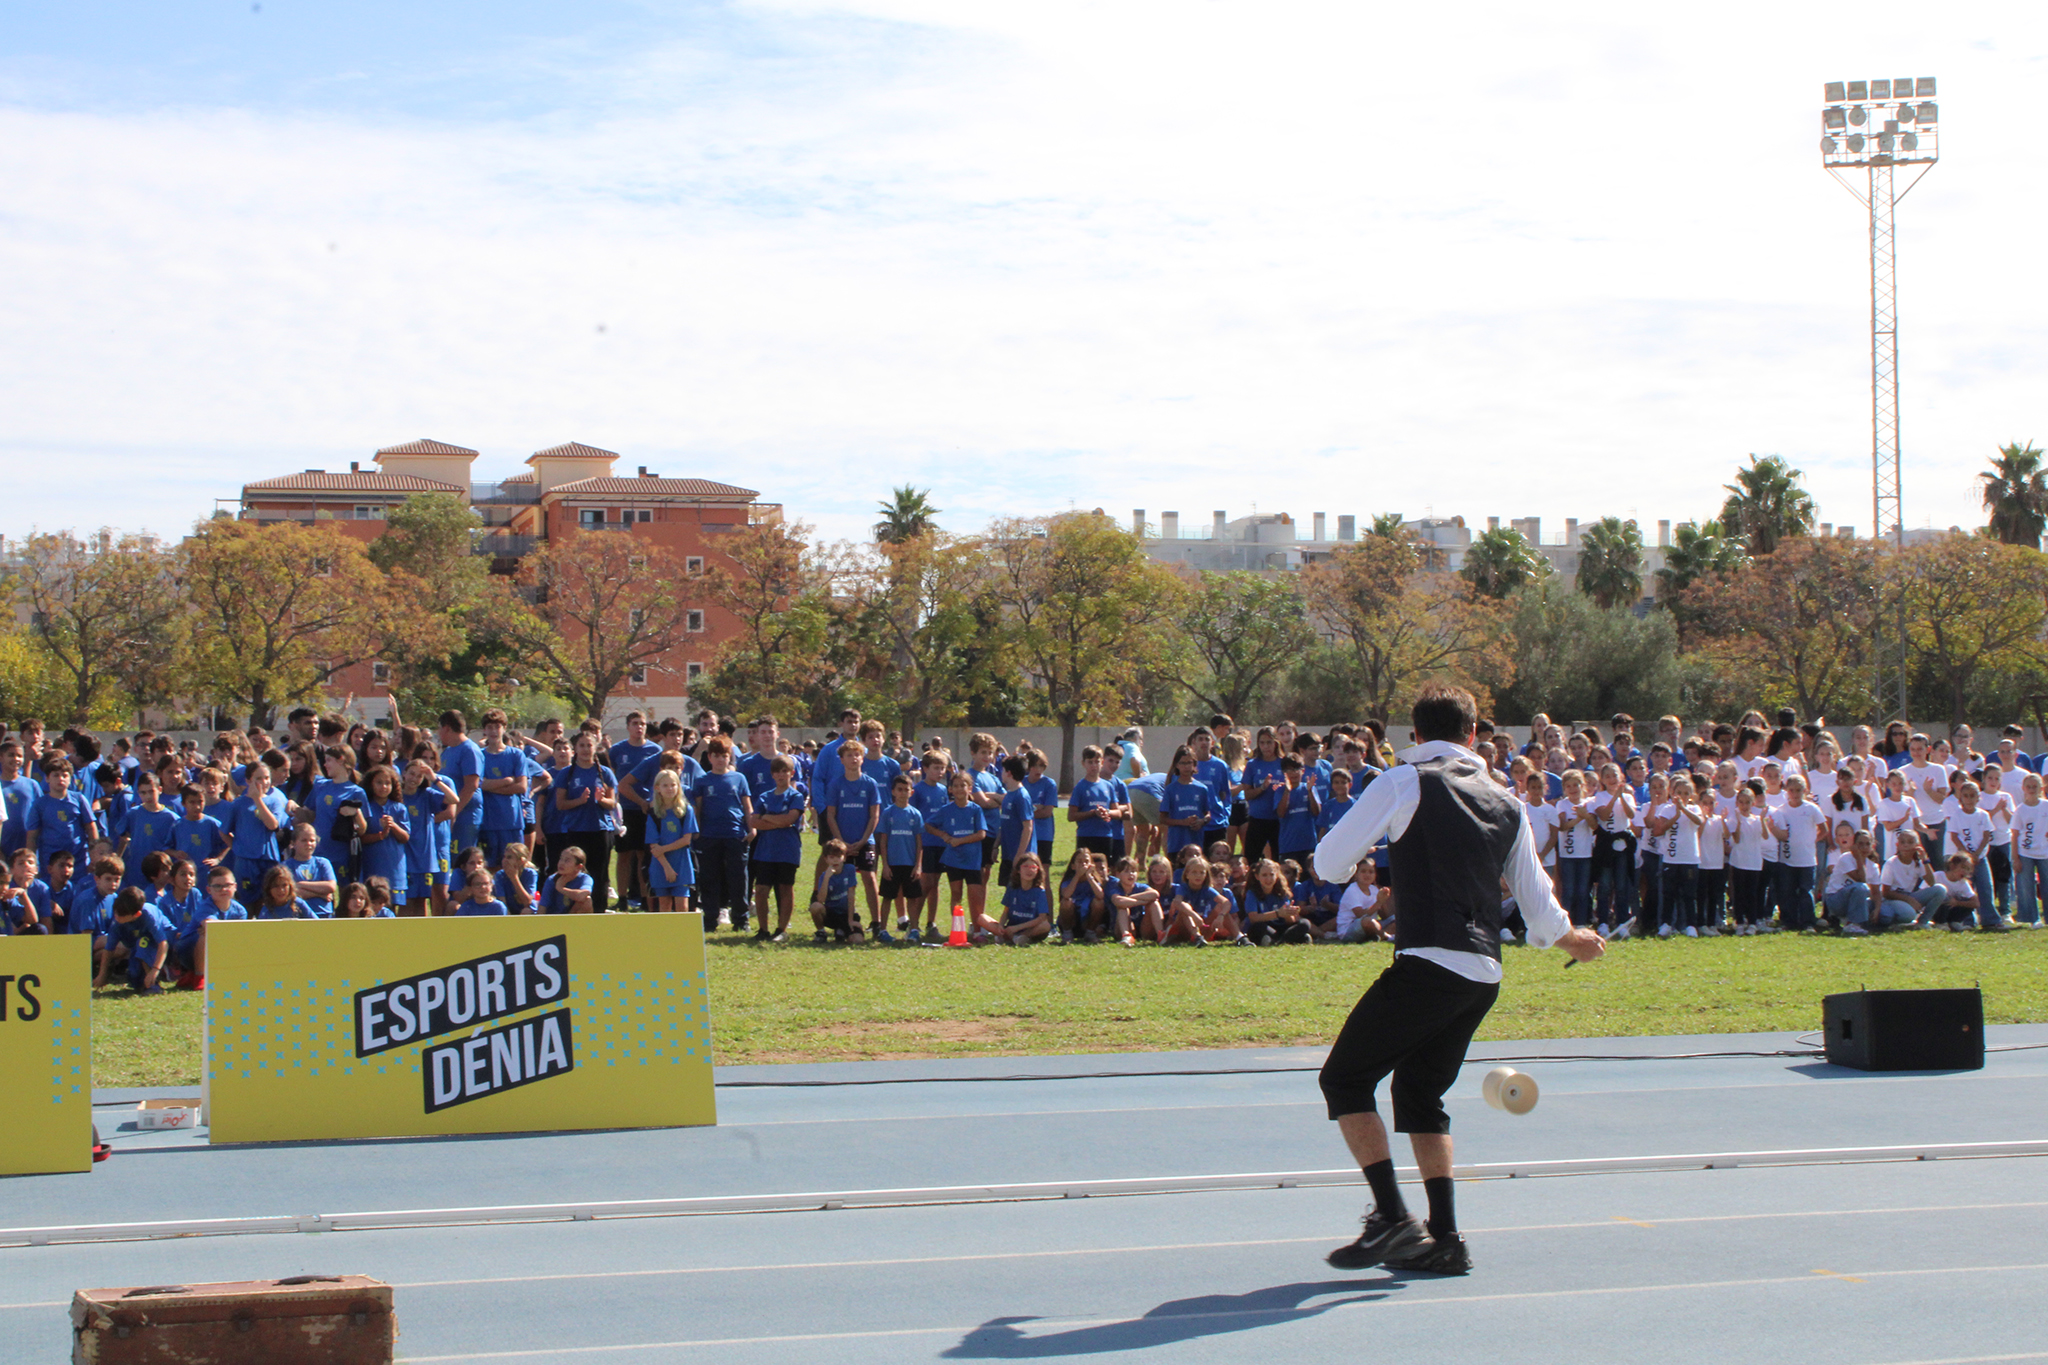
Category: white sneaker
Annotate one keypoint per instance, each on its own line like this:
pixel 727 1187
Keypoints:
pixel 1619 934
pixel 1663 931
pixel 1710 932
pixel 1691 932
pixel 724 920
pixel 1855 931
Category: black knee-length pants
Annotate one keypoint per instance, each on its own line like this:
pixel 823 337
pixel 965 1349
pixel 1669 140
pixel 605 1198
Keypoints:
pixel 1415 1022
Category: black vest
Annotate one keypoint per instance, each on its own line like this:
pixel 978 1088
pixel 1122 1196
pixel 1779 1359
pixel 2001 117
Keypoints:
pixel 1447 864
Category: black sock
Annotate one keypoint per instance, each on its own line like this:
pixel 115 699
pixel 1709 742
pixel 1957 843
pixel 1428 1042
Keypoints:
pixel 1386 1192
pixel 1442 1221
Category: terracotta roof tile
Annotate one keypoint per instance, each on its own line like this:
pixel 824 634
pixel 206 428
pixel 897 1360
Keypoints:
pixel 705 489
pixel 425 447
pixel 574 450
pixel 367 481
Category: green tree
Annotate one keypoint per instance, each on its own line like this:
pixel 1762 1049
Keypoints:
pixel 1611 562
pixel 1389 526
pixel 1244 628
pixel 1794 625
pixel 109 613
pixel 907 515
pixel 431 536
pixel 603 605
pixel 1698 550
pixel 2016 495
pixel 31 682
pixel 1086 613
pixel 920 603
pixel 1401 627
pixel 279 608
pixel 1575 659
pixel 1766 504
pixel 1500 560
pixel 779 592
pixel 1974 607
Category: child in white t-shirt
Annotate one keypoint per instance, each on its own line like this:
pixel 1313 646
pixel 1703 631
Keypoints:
pixel 1998 803
pixel 1965 897
pixel 2030 850
pixel 1362 906
pixel 1850 873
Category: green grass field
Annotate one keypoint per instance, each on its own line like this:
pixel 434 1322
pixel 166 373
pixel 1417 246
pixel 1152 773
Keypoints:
pixel 799 1002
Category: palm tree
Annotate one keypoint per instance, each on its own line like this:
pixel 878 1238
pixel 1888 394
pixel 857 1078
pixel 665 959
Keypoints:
pixel 1697 549
pixel 907 515
pixel 1500 560
pixel 1611 562
pixel 1766 504
pixel 1390 526
pixel 2016 495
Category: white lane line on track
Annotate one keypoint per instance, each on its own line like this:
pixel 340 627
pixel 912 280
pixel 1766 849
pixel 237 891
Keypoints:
pixel 1379 1305
pixel 880 1263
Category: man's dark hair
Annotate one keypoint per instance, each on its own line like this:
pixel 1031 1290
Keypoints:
pixel 299 713
pixel 1444 712
pixel 1787 717
pixel 452 720
pixel 1221 719
pixel 86 749
pixel 1621 720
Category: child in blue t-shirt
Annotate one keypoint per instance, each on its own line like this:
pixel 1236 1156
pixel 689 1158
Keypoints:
pixel 517 884
pixel 24 900
pixel 424 799
pixel 317 883
pixel 778 846
pixel 477 898
pixel 384 846
pixel 139 940
pixel 1092 806
pixel 1045 803
pixel 567 892
pixel 900 836
pixel 1018 829
pixel 1081 904
pixel 1202 912
pixel 183 900
pixel 60 820
pixel 1299 807
pixel 832 895
pixel 1185 805
pixel 198 835
pixel 1270 913
pixel 1340 801
pixel 1027 907
pixel 148 827
pixel 188 946
pixel 961 827
pixel 671 828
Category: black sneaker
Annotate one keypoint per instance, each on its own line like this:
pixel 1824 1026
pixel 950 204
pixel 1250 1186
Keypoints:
pixel 1383 1239
pixel 761 935
pixel 1437 1256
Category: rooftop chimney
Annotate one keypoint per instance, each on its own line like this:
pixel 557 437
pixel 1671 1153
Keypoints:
pixel 1664 532
pixel 1493 523
pixel 644 474
pixel 1347 527
pixel 355 466
pixel 1138 522
pixel 1319 527
pixel 1169 526
pixel 1571 530
pixel 1217 520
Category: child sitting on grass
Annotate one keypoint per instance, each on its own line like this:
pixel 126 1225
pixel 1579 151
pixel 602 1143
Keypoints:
pixel 1364 911
pixel 1135 908
pixel 139 940
pixel 1027 910
pixel 832 896
pixel 1082 908
pixel 477 898
pixel 1203 912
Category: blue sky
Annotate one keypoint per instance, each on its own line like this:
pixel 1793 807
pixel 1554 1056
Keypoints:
pixel 1188 256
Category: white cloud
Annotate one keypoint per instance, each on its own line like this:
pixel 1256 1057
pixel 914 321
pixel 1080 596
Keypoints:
pixel 1316 258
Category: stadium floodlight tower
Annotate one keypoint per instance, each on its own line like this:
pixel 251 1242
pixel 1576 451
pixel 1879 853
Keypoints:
pixel 1877 127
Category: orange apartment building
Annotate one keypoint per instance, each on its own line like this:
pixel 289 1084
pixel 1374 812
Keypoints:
pixel 566 487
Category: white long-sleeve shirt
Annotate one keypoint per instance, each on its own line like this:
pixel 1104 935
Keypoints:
pixel 1384 811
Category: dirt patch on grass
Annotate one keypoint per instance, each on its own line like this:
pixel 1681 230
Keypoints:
pixel 904 1040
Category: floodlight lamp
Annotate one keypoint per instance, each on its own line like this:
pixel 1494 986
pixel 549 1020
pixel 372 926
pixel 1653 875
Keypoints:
pixel 1827 146
pixel 1859 90
pixel 1855 142
pixel 1905 113
pixel 1924 88
pixel 1880 90
pixel 1857 115
pixel 1833 118
pixel 1902 88
pixel 1884 142
pixel 1835 92
pixel 1910 141
pixel 1927 112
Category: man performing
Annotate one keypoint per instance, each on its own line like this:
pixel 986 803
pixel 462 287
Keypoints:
pixel 1454 835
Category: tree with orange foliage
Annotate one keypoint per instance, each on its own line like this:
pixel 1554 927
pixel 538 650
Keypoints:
pixel 590 608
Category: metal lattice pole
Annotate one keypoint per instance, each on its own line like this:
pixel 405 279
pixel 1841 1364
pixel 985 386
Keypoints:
pixel 1876 126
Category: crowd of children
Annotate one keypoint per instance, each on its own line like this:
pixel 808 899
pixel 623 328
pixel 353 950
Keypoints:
pixel 1742 828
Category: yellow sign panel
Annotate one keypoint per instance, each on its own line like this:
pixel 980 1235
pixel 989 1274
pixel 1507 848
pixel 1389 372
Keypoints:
pixel 489 1024
pixel 46 1053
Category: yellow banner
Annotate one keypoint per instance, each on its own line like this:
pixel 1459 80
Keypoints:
pixel 46 1053
pixel 490 1024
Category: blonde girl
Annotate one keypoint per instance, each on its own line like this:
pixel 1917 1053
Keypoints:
pixel 1027 910
pixel 671 828
pixel 517 884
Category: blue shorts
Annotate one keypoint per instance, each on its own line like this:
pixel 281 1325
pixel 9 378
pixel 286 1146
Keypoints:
pixel 493 841
pixel 685 879
pixel 466 830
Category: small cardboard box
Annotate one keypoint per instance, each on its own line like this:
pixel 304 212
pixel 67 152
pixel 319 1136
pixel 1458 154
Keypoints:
pixel 177 1111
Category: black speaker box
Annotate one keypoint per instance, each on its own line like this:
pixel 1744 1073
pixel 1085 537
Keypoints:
pixel 1906 1030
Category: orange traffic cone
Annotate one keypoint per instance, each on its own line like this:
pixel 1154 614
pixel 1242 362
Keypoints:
pixel 958 938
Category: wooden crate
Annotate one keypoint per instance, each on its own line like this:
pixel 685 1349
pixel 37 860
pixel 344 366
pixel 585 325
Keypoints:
pixel 301 1320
